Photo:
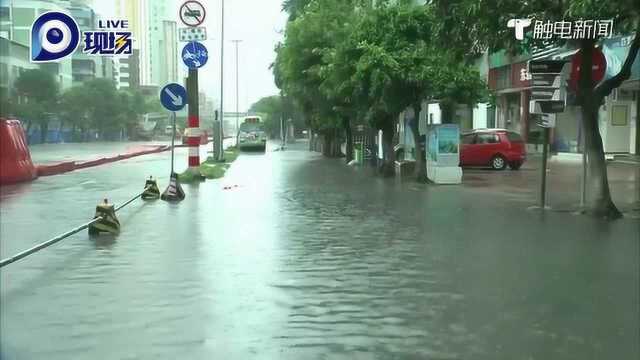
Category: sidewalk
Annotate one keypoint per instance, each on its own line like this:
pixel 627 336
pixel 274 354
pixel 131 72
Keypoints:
pixel 563 183
pixel 628 159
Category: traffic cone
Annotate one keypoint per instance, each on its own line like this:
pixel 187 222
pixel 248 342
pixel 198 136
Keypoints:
pixel 108 222
pixel 151 190
pixel 174 192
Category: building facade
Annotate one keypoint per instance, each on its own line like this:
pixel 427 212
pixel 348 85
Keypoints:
pixel 509 80
pixel 135 12
pixel 15 22
pixel 127 71
pixel 155 36
pixel 14 59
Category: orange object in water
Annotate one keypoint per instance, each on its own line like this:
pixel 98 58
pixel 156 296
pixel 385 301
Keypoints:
pixel 15 160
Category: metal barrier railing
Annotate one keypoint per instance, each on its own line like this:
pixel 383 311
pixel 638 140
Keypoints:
pixel 61 237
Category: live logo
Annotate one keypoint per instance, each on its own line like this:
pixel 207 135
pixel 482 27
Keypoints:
pixel 113 24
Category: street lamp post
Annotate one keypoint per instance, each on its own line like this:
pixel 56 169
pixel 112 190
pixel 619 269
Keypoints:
pixel 237 42
pixel 220 152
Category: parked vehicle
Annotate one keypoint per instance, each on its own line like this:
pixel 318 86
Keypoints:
pixel 496 148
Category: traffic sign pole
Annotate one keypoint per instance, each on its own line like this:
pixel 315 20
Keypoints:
pixel 193 131
pixel 221 124
pixel 173 141
pixel 545 155
pixel 173 97
pixel 547 98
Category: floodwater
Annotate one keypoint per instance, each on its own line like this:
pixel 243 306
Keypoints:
pixel 294 256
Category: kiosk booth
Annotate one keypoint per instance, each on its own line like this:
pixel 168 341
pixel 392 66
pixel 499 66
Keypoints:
pixel 443 154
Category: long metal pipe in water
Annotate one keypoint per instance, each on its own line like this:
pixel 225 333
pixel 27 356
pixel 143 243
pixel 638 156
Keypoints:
pixel 46 244
pixel 60 237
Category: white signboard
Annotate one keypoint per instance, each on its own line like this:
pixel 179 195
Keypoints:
pixel 192 34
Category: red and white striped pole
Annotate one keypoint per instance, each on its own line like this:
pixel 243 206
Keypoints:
pixel 193 121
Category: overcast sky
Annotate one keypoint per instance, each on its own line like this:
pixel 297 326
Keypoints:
pixel 258 23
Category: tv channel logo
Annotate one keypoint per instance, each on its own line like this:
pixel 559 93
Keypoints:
pixel 519 25
pixel 54 35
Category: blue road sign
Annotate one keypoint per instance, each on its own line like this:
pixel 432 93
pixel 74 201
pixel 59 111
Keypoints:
pixel 195 55
pixel 173 97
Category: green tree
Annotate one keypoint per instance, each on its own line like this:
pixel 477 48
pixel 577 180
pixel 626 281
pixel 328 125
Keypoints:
pixel 41 92
pixel 273 109
pixel 298 67
pixel 73 109
pixel 270 108
pixel 338 86
pixel 109 109
pixel 132 104
pixel 481 25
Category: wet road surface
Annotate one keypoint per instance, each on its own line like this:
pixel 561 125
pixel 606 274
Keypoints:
pixel 305 258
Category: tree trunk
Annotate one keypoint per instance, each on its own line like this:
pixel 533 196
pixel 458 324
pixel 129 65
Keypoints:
pixel 600 203
pixel 346 124
pixel 420 171
pixel 60 137
pixel 326 144
pixel 337 151
pixel 44 129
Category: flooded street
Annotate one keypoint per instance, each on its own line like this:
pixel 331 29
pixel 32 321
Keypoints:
pixel 295 256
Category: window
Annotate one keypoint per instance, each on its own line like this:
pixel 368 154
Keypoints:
pixel 620 115
pixel 4 73
pixel 487 139
pixel 251 127
pixel 503 80
pixel 4 13
pixel 468 139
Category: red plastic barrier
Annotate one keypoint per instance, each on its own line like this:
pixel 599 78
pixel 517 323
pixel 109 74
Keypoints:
pixel 60 168
pixel 96 162
pixel 55 169
pixel 15 160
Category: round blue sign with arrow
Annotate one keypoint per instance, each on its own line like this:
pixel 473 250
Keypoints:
pixel 173 97
pixel 195 55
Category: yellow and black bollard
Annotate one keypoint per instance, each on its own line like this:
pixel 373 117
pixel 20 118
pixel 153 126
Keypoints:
pixel 108 222
pixel 151 190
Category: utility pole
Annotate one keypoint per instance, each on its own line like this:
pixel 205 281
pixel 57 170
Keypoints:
pixel 237 42
pixel 220 151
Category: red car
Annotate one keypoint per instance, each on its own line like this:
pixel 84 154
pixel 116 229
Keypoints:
pixel 496 148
